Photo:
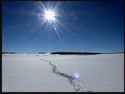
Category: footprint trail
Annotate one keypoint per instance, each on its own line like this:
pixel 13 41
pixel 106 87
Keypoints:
pixel 78 85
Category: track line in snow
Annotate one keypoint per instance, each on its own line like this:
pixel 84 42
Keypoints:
pixel 78 85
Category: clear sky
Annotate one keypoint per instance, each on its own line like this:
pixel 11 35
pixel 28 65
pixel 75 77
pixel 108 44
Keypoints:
pixel 81 26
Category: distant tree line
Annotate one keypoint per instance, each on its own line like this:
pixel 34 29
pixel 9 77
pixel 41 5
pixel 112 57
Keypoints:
pixel 75 53
pixel 8 52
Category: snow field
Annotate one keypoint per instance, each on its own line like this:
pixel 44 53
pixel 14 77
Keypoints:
pixel 27 73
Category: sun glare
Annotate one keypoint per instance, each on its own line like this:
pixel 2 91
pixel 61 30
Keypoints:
pixel 49 15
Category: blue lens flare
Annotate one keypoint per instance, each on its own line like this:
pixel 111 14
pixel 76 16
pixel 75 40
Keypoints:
pixel 76 75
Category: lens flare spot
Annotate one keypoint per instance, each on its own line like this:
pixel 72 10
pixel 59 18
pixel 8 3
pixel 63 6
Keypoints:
pixel 76 75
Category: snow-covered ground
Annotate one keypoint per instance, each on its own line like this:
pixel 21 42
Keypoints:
pixel 31 72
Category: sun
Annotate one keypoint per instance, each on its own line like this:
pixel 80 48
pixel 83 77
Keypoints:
pixel 49 15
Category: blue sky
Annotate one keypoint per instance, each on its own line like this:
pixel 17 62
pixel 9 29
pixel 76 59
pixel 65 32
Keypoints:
pixel 83 26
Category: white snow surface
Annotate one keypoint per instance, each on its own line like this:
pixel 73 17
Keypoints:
pixel 27 73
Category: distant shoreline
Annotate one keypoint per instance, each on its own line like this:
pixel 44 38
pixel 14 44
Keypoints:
pixel 63 53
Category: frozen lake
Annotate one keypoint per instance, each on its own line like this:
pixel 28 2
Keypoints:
pixel 31 73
